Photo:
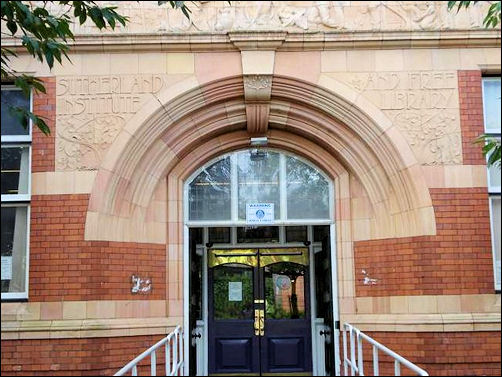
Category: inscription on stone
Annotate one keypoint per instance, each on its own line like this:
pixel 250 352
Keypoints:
pixel 104 94
pixel 423 105
pixel 92 110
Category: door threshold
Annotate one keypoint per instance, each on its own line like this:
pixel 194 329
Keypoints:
pixel 288 374
pixel 264 374
pixel 235 374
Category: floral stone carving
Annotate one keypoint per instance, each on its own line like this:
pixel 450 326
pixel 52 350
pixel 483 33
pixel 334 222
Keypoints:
pixel 82 143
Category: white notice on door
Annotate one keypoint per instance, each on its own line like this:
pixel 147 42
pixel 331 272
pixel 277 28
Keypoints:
pixel 6 268
pixel 235 291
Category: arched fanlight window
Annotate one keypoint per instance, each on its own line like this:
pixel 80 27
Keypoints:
pixel 222 189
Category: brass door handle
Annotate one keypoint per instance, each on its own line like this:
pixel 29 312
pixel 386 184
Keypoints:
pixel 262 322
pixel 257 322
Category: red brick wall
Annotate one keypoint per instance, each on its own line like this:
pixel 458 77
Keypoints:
pixel 440 354
pixel 65 267
pixel 76 357
pixel 448 354
pixel 471 115
pixel 458 260
pixel 44 105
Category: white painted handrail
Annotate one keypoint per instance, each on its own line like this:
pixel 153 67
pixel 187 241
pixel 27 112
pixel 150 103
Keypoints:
pixel 356 363
pixel 173 356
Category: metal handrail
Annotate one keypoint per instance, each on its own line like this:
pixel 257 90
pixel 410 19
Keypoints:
pixel 173 350
pixel 356 363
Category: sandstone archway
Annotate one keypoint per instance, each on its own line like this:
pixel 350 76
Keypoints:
pixel 187 124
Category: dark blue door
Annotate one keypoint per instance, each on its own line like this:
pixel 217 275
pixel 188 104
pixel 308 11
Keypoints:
pixel 259 317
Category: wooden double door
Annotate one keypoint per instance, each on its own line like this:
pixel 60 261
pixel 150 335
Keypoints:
pixel 259 311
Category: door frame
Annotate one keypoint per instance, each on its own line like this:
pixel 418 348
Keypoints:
pixel 186 296
pixel 235 223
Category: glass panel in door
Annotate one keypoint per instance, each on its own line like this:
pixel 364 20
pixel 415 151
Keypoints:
pixel 285 291
pixel 233 292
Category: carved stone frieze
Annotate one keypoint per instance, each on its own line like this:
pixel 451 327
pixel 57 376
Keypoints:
pixel 218 16
pixel 92 110
pixel 422 104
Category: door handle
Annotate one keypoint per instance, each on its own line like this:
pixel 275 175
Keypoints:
pixel 262 322
pixel 257 322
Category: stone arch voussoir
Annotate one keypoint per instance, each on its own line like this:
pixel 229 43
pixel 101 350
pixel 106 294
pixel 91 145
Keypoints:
pixel 343 130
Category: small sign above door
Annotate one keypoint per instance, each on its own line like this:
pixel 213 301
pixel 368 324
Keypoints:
pixel 259 213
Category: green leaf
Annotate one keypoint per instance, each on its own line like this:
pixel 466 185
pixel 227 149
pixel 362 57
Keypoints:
pixel 12 26
pixel 186 12
pixel 38 85
pixel 109 17
pixel 42 126
pixel 82 17
pixel 49 57
pixel 23 84
pixel 97 17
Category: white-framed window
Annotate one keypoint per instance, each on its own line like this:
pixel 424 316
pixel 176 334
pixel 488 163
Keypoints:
pixel 491 111
pixel 16 195
pixel 223 191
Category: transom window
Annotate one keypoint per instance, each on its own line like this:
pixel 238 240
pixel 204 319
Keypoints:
pixel 221 191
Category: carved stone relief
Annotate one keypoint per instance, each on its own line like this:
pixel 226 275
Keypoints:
pixel 91 111
pixel 257 87
pixel 257 92
pixel 422 104
pixel 82 141
pixel 217 16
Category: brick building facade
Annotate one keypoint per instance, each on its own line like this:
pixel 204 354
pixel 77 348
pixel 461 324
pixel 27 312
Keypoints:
pixel 385 110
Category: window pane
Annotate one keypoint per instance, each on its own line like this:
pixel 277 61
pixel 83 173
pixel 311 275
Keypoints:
pixel 10 124
pixel 260 234
pixel 321 232
pixel 496 224
pixel 219 235
pixel 209 194
pixel 308 191
pixel 296 233
pixel 14 225
pixel 494 177
pixel 196 234
pixel 15 170
pixel 285 291
pixel 233 292
pixel 491 101
pixel 258 178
